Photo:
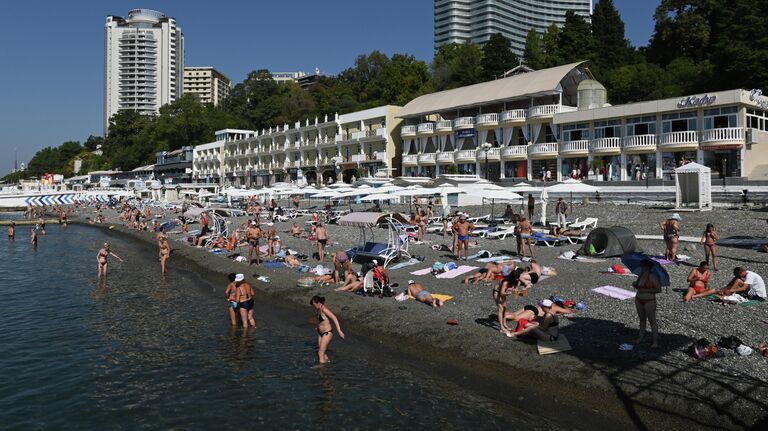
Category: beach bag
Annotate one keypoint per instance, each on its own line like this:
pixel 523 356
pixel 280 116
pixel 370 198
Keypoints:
pixel 703 349
pixel 437 267
pixel 450 266
pixel 731 342
pixel 484 254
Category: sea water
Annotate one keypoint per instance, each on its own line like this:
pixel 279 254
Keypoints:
pixel 152 352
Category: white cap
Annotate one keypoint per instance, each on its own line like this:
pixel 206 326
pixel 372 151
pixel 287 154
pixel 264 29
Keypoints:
pixel 676 216
pixel 411 282
pixel 546 303
pixel 239 277
pixel 375 262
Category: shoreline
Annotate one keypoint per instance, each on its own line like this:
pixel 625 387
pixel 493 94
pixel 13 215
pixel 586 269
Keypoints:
pixel 574 381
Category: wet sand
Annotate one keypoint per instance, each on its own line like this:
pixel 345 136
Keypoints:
pixel 644 388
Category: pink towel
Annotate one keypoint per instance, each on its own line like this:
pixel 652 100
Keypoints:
pixel 457 272
pixel 614 292
pixel 424 271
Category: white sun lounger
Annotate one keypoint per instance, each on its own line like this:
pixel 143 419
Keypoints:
pixel 501 234
pixel 587 222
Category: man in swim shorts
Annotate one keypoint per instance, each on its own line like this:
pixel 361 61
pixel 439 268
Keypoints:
pixel 416 291
pixel 252 235
pixel 462 230
pixel 321 233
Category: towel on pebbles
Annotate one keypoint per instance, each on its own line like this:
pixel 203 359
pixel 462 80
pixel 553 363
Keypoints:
pixel 614 292
pixel 457 272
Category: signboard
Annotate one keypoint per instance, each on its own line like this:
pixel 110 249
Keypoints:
pixel 722 147
pixel 465 133
pixel 696 101
pixel 756 96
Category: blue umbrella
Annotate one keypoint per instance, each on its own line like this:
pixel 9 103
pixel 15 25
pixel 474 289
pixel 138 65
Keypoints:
pixel 633 261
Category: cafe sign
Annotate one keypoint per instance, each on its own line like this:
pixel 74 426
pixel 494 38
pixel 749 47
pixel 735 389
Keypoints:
pixel 756 96
pixel 696 101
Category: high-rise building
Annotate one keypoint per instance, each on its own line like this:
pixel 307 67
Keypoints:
pixel 460 21
pixel 210 85
pixel 143 62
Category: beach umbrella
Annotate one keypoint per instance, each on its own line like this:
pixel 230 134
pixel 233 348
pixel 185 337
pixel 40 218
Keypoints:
pixel 378 197
pixel 571 186
pixel 499 195
pixel 412 191
pixel 633 261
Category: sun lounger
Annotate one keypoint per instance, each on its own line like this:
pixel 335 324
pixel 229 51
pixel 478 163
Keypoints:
pixel 501 233
pixel 549 241
pixel 477 219
pixel 576 239
pixel 587 222
pixel 438 228
pixel 568 222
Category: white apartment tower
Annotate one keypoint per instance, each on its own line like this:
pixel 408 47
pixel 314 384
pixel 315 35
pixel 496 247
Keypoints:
pixel 460 21
pixel 143 62
pixel 210 85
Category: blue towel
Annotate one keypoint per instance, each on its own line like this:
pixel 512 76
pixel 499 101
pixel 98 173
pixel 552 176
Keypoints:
pixel 273 265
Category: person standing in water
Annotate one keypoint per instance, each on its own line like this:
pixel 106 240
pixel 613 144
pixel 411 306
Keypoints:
pixel 165 251
pixel 324 329
pixel 231 294
pixel 33 237
pixel 244 298
pixel 101 259
pixel 12 231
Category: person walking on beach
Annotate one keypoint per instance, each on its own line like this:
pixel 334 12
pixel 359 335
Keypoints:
pixel 253 234
pixel 231 294
pixel 272 240
pixel 708 239
pixel 101 259
pixel 523 231
pixel 321 234
pixel 324 329
pixel 245 303
pixel 462 230
pixel 560 211
pixel 12 231
pixel 296 202
pixel 671 229
pixel 531 206
pixel 647 285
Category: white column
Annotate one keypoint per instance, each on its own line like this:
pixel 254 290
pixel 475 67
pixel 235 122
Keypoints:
pixel 503 166
pixel 700 156
pixel 623 163
pixel 659 168
pixel 530 168
pixel 559 174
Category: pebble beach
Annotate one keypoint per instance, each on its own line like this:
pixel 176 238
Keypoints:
pixel 643 387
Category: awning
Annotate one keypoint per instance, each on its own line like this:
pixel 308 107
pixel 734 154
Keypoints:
pixel 366 219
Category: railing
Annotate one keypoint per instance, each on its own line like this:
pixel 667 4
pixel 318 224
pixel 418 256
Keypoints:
pixel 465 155
pixel 605 144
pixel 485 119
pixel 445 157
pixel 723 134
pixel 357 158
pixel 380 132
pixel 546 110
pixel 444 125
pixel 493 153
pixel 639 141
pixel 380 155
pixel 514 115
pixel 548 148
pixel 464 122
pixel 408 130
pixel 427 158
pixel 359 134
pixel 574 146
pixel 426 128
pixel 678 138
pixel 410 159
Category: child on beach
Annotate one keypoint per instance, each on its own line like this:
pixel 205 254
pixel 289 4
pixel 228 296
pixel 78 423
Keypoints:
pixel 708 239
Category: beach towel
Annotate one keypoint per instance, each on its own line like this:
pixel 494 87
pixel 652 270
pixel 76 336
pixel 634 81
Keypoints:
pixel 439 296
pixel 614 292
pixel 497 259
pixel 482 254
pixel 404 264
pixel 463 269
pixel 664 261
pixel 582 259
pixel 273 265
pixel 750 302
pixel 424 271
pixel 556 346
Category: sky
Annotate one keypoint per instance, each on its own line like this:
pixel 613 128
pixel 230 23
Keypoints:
pixel 53 51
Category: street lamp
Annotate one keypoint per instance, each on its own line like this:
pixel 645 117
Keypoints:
pixel 486 147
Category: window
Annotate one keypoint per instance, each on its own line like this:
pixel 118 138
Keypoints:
pixel 575 132
pixel 719 118
pixel 679 122
pixel 641 125
pixel 757 119
pixel 608 129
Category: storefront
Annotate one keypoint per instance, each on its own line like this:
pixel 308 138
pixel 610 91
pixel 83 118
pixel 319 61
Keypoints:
pixel 516 169
pixel 576 167
pixel 544 169
pixel 606 168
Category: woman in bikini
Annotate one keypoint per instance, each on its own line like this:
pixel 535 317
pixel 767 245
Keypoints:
pixel 324 329
pixel 671 229
pixel 231 294
pixel 647 285
pixel 698 280
pixel 101 259
pixel 165 252
pixel 272 240
pixel 244 298
pixel 544 326
pixel 709 238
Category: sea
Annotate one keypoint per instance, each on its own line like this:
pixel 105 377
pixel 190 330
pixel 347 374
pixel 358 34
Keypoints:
pixel 143 351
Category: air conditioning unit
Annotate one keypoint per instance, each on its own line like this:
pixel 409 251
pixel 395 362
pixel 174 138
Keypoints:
pixel 752 136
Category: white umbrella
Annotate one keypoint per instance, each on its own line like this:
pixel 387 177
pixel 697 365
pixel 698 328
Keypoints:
pixel 572 186
pixel 446 190
pixel 500 195
pixel 332 194
pixel 378 197
pixel 387 189
pixel 525 188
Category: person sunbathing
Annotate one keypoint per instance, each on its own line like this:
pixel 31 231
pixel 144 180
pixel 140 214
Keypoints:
pixel 544 327
pixel 416 291
pixel 491 271
pixel 292 261
pixel 352 283
pixel 698 281
pixel 296 231
pixel 558 231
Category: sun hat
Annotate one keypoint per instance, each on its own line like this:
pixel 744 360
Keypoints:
pixel 676 216
pixel 410 282
pixel 546 303
pixel 239 277
pixel 375 262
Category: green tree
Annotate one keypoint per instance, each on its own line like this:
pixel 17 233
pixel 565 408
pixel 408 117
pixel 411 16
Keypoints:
pixel 93 142
pixel 457 65
pixel 130 141
pixel 533 56
pixel 402 80
pixel 498 57
pixel 550 43
pixel 611 48
pixel 682 29
pixel 739 44
pixel 181 123
pixel 576 41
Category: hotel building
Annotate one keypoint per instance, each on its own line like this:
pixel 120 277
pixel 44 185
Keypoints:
pixel 210 85
pixel 143 62
pixel 460 21
pixel 558 120
pixel 318 150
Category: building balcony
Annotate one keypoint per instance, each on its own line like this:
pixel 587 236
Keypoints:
pixel 543 151
pixel 514 115
pixel 376 157
pixel 514 152
pixel 605 145
pixel 425 129
pixel 357 158
pixel 410 159
pixel 575 148
pixel 408 131
pixel 427 159
pixel 732 136
pixel 306 163
pixel 444 126
pixel 487 120
pixel 639 143
pixel 359 134
pixel 548 110
pixel 494 154
pixel 688 140
pixel 374 134
pixel 465 156
pixel 464 123
pixel 444 157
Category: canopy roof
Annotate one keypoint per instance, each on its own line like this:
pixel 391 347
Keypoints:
pixel 366 219
pixel 540 82
pixel 691 168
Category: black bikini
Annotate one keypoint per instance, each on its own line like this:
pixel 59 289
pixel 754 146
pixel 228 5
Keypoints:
pixel 321 317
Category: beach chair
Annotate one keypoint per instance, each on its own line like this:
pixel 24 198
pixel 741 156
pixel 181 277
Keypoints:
pixel 478 219
pixel 568 222
pixel 549 241
pixel 438 228
pixel 576 239
pixel 584 224
pixel 501 233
